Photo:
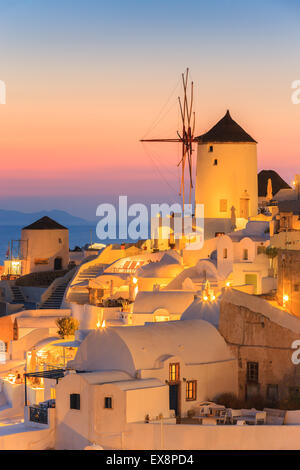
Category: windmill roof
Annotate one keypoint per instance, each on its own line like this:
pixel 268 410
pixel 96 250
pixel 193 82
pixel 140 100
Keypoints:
pixel 226 130
pixel 277 182
pixel 45 223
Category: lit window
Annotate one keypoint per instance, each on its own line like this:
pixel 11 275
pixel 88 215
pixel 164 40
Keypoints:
pixel 159 318
pixel 191 390
pixel 225 253
pixel 174 372
pixel 245 255
pixel 75 401
pixel 223 205
pixel 252 372
pixel 108 402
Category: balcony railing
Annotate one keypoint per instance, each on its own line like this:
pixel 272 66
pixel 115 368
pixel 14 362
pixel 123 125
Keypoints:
pixel 38 414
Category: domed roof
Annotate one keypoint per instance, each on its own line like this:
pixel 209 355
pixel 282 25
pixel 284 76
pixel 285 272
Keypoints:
pixel 226 130
pixel 45 223
pixel 175 301
pixel 168 266
pixel 133 348
pixel 200 310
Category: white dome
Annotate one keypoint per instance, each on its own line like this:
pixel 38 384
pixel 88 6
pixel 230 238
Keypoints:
pixel 130 349
pixel 167 266
pixel 199 310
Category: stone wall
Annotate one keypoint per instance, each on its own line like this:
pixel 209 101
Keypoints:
pixel 254 337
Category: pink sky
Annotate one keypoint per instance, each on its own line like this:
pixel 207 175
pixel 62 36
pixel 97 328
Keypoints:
pixel 78 104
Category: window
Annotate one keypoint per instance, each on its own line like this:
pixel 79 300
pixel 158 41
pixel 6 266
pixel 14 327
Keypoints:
pixel 60 241
pixel 75 401
pixel 252 372
pixel 215 162
pixel 174 372
pixel 296 287
pixel 211 148
pixel 225 253
pixel 272 392
pixel 191 390
pixel 223 205
pixel 108 402
pixel 245 254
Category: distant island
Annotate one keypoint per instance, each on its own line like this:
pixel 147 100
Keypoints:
pixel 11 217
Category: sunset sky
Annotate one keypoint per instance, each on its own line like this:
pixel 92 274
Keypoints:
pixel 87 79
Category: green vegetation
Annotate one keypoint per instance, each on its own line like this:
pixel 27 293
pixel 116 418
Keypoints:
pixel 67 326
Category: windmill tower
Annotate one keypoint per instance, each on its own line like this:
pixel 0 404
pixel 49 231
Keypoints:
pixel 226 175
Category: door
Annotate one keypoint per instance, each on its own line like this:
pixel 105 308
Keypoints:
pixel 252 280
pixel 244 208
pixel 57 264
pixel 174 398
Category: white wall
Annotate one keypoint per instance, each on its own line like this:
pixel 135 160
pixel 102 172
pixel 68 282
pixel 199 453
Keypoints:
pixel 235 172
pixel 201 437
pixel 151 401
pixel 44 244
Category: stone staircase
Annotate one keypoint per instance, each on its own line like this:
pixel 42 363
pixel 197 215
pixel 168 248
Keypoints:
pixel 17 295
pixel 90 272
pixel 81 296
pixel 56 298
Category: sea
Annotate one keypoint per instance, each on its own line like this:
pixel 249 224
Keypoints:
pixel 79 235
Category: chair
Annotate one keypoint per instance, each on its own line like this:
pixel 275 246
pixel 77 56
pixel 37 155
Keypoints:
pixel 222 418
pixel 234 415
pixel 260 417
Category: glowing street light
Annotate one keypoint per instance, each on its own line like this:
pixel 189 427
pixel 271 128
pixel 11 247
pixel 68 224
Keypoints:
pixel 285 299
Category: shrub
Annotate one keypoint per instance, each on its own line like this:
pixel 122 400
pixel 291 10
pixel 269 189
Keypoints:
pixel 229 400
pixel 191 413
pixel 67 326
